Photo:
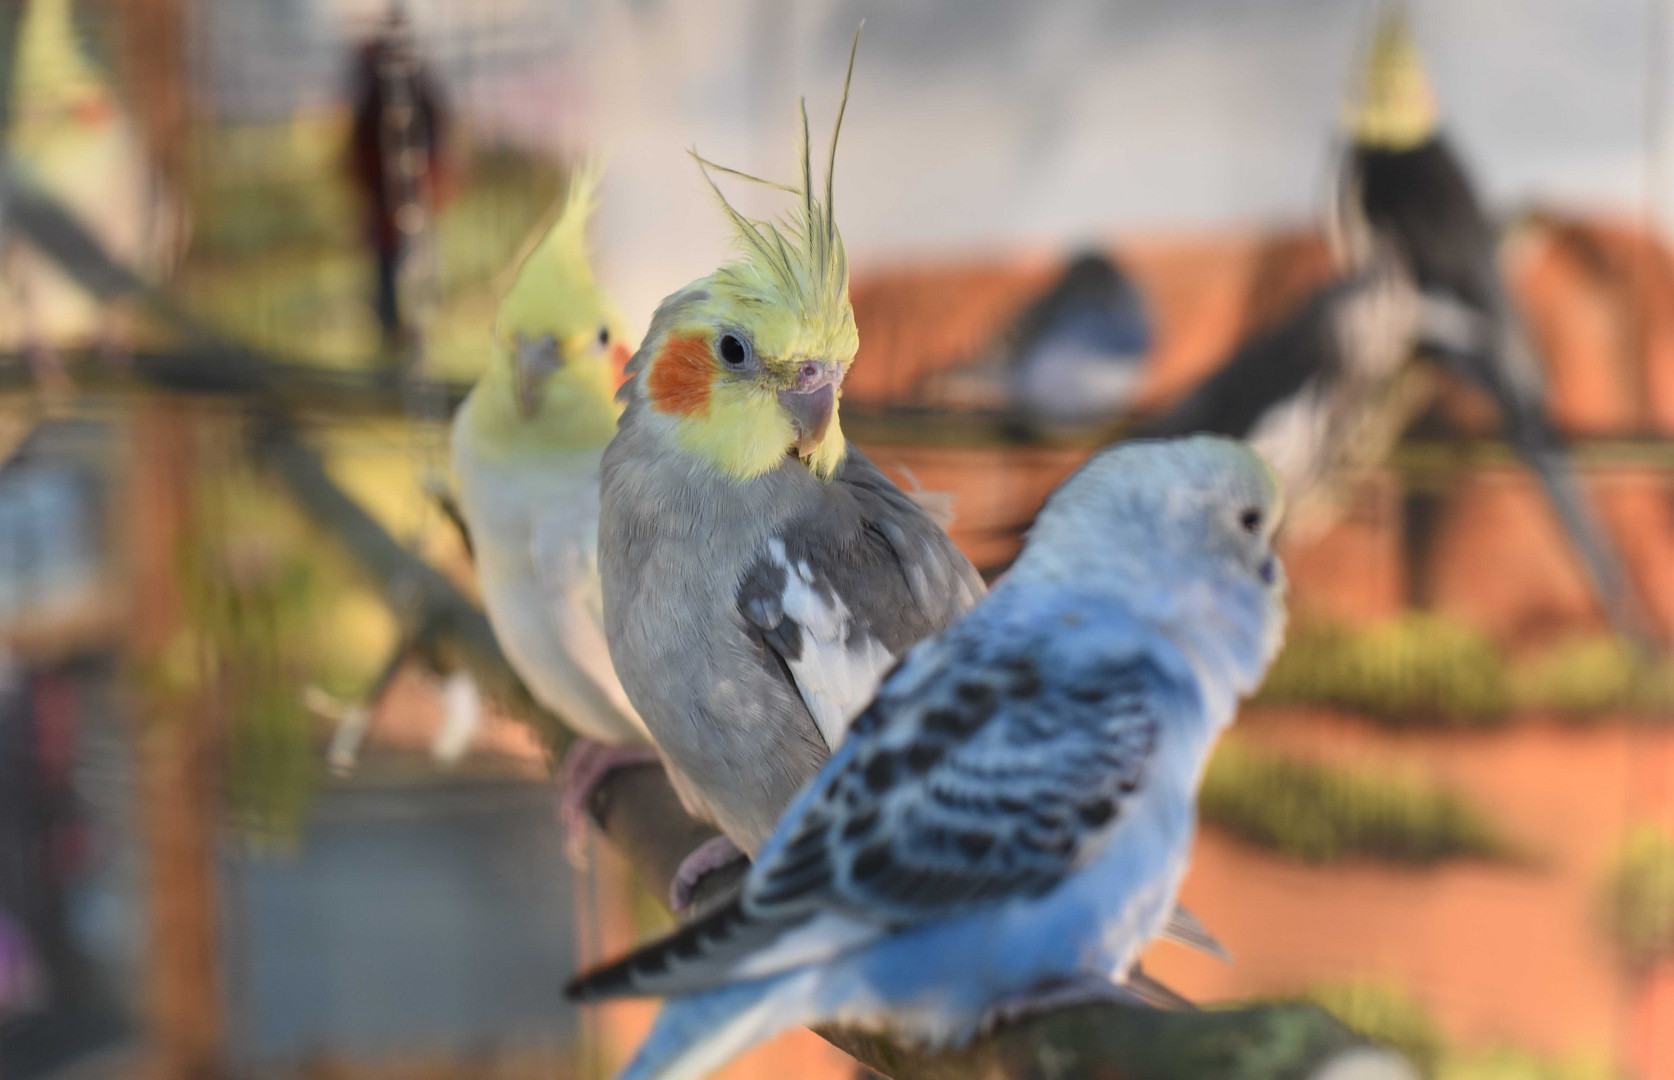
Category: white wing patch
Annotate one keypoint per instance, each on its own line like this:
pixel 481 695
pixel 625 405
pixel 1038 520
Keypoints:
pixel 840 665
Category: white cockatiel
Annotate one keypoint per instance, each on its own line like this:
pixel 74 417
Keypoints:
pixel 70 138
pixel 526 449
pixel 1015 810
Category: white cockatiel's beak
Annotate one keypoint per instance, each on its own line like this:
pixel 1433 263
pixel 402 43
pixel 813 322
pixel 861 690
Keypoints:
pixel 533 362
pixel 811 401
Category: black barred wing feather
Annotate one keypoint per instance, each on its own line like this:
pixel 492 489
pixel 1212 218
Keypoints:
pixel 994 763
pixel 989 779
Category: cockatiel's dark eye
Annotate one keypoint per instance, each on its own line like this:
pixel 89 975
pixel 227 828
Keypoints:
pixel 1250 520
pixel 604 335
pixel 734 352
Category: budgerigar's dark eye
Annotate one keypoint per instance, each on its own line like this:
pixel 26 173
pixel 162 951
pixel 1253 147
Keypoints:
pixel 733 350
pixel 1250 520
pixel 604 335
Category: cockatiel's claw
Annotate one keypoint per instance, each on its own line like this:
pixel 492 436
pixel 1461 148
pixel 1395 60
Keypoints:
pixel 710 857
pixel 584 768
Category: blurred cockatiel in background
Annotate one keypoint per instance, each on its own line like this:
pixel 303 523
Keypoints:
pixel 527 443
pixel 70 138
pixel 1323 394
pixel 1077 353
pixel 760 574
pixel 1074 356
pixel 1404 195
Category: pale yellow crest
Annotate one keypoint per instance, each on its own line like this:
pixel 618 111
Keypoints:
pixel 1395 108
pixel 51 71
pixel 794 269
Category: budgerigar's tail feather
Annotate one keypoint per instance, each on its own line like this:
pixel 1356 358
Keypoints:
pixel 688 961
pixel 696 1035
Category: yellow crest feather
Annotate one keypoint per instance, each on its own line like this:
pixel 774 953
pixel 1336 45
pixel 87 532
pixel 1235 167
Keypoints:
pixel 561 239
pixel 1395 109
pixel 796 264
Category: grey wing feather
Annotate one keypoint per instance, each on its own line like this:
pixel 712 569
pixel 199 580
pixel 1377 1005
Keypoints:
pixel 841 593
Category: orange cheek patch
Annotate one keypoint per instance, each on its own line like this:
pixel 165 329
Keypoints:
pixel 619 357
pixel 679 382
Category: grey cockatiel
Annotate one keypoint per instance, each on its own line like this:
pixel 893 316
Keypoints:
pixel 760 574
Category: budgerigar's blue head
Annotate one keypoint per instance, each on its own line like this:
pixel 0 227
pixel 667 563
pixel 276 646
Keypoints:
pixel 1181 531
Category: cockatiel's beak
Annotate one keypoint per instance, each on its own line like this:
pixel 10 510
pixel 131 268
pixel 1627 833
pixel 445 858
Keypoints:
pixel 811 401
pixel 533 363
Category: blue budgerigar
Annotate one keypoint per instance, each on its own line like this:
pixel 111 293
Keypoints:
pixel 1012 815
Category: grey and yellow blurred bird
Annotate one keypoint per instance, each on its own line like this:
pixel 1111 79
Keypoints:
pixel 760 573
pixel 1074 356
pixel 1404 194
pixel 1078 352
pixel 527 444
pixel 70 138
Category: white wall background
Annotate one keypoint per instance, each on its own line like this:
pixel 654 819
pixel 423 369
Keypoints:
pixel 976 124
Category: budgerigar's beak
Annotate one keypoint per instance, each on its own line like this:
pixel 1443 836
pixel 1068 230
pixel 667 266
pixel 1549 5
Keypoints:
pixel 811 401
pixel 534 363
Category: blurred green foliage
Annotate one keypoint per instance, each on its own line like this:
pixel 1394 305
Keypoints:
pixel 1508 1063
pixel 265 603
pixel 1322 813
pixel 1415 669
pixel 1639 896
pixel 278 255
pixel 1386 1014
pixel 1585 676
pixel 250 605
pixel 1422 669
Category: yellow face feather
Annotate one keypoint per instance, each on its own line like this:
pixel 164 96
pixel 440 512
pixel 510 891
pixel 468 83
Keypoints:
pixel 1395 109
pixel 752 371
pixel 54 87
pixel 559 344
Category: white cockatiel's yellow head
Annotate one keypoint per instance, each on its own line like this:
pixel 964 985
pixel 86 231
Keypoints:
pixel 560 343
pixel 745 367
pixel 56 90
pixel 1393 108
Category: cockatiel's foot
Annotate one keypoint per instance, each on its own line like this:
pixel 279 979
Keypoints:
pixel 1138 989
pixel 710 857
pixel 584 768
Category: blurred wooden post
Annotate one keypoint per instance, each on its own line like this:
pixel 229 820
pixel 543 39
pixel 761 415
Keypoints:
pixel 177 750
pixel 153 69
